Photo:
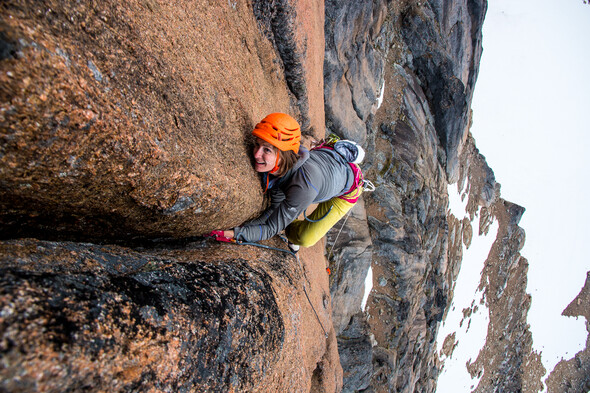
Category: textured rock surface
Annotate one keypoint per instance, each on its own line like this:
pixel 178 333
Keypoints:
pixel 407 216
pixel 350 254
pixel 112 114
pixel 198 318
pixel 444 38
pixel 426 58
pixel 128 123
pixel 573 375
pixel 352 68
pixel 420 61
pixel 507 361
pixel 295 29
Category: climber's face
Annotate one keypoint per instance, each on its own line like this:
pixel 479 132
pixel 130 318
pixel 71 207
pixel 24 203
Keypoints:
pixel 265 156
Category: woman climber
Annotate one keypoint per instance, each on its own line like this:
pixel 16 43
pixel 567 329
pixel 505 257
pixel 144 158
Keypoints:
pixel 295 178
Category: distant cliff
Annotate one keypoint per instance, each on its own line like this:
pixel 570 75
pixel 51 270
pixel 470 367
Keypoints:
pixel 125 136
pixel 412 109
pixel 399 76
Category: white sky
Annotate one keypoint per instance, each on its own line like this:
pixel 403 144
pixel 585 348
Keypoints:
pixel 530 112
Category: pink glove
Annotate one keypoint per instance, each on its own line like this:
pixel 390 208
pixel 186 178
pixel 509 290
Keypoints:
pixel 218 235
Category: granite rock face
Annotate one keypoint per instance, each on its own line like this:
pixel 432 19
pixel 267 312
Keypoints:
pixel 444 38
pixel 81 316
pixel 124 132
pixel 295 30
pixel 350 255
pixel 402 84
pixel 201 317
pixel 353 69
pixel 113 113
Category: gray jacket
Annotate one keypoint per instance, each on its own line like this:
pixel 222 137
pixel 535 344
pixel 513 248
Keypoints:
pixel 318 175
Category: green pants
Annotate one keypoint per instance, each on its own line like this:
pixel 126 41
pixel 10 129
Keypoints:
pixel 306 233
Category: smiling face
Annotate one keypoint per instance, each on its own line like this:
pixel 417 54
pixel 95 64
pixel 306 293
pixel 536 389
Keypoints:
pixel 265 156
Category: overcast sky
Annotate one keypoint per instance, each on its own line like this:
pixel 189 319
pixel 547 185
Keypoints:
pixel 531 123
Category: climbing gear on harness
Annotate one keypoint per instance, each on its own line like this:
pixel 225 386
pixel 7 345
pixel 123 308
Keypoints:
pixel 280 130
pixel 356 185
pixel 368 186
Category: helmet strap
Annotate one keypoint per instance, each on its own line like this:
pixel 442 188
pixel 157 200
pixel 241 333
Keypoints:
pixel 276 168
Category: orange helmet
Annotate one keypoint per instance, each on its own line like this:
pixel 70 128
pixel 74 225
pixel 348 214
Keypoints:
pixel 280 130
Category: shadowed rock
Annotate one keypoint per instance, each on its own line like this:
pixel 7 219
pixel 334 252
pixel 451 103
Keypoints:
pixel 97 318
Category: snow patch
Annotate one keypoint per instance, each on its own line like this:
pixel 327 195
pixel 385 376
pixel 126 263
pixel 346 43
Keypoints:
pixel 380 99
pixel 368 287
pixel 468 316
pixel 457 201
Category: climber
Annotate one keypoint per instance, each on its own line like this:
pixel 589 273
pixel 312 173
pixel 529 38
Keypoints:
pixel 295 178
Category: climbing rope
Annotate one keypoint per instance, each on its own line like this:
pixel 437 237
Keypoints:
pixel 368 186
pixel 241 242
pixel 338 234
pixel 244 243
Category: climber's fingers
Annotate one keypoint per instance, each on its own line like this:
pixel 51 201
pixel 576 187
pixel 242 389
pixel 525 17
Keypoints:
pixel 222 236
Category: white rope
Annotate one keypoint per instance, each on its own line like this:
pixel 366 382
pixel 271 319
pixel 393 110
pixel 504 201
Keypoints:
pixel 336 239
pixel 368 186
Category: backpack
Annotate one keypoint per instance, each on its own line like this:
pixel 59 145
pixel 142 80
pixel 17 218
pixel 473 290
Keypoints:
pixel 352 152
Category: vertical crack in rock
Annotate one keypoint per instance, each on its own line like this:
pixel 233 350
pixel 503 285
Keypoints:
pixel 277 20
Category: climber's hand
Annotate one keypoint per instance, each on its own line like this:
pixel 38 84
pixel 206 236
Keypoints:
pixel 222 236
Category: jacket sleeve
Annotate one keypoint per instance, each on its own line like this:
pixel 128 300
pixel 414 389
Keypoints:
pixel 276 197
pixel 297 197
